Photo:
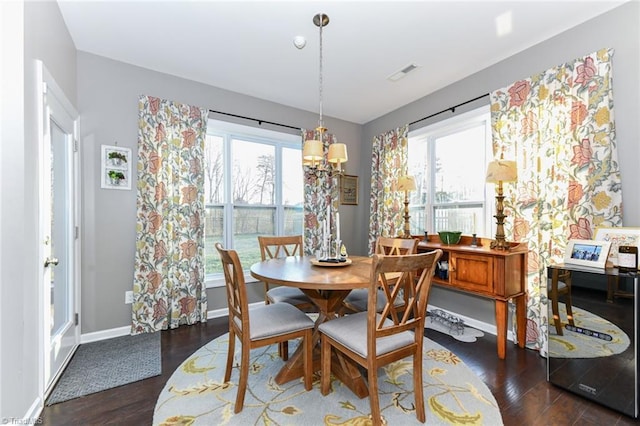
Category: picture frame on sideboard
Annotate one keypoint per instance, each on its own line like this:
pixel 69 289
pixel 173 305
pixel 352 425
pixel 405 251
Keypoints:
pixel 589 253
pixel 617 236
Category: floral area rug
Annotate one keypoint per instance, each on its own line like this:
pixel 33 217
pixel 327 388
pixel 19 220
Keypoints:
pixel 592 336
pixel 195 393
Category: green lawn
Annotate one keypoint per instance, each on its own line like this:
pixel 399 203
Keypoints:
pixel 246 245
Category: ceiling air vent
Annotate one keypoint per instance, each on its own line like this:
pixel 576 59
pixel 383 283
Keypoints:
pixel 404 71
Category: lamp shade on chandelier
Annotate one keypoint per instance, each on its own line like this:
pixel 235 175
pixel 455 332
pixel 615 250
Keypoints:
pixel 313 149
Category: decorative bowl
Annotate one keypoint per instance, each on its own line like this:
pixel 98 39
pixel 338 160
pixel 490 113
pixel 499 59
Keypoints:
pixel 450 237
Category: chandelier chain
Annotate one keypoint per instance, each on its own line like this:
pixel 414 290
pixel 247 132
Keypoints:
pixel 320 122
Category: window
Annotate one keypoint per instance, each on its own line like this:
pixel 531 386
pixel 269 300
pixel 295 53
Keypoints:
pixel 253 186
pixel 449 160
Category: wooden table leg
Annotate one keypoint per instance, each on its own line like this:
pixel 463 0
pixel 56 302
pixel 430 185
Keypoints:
pixel 502 322
pixel 328 304
pixel 501 327
pixel 521 320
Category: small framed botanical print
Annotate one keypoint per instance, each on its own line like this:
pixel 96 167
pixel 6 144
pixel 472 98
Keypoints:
pixel 349 189
pixel 116 167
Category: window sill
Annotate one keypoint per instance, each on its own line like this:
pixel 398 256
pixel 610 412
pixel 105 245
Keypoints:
pixel 219 282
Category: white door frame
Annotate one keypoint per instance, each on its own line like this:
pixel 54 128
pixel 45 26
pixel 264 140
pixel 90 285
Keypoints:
pixel 54 105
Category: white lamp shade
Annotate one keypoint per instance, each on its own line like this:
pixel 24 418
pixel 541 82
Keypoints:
pixel 338 153
pixel 406 183
pixel 312 150
pixel 502 171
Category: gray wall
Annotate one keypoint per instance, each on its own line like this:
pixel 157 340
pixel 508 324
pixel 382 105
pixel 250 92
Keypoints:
pixel 108 94
pixel 107 100
pixel 618 29
pixel 45 38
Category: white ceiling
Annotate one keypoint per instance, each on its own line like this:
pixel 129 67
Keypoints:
pixel 247 47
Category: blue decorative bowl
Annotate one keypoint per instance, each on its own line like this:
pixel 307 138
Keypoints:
pixel 450 237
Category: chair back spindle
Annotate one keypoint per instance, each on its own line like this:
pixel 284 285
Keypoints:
pixel 236 287
pixel 275 247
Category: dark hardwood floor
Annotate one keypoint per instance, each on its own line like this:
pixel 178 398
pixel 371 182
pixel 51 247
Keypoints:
pixel 518 384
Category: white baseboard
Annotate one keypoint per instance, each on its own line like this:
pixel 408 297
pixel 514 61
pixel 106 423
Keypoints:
pixel 32 416
pixel 472 322
pixel 105 334
pixel 126 330
pixel 223 312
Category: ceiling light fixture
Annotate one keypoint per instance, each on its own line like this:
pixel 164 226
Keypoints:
pixel 313 149
pixel 300 42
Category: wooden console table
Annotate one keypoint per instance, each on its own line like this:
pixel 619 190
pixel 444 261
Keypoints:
pixel 495 274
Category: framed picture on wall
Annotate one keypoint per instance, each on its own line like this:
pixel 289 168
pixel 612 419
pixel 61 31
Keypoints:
pixel 618 236
pixel 588 253
pixel 116 167
pixel 349 189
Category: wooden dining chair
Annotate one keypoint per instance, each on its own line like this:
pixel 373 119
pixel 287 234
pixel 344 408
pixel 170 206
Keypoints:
pixel 374 339
pixel 356 300
pixel 274 247
pixel 560 285
pixel 281 246
pixel 261 326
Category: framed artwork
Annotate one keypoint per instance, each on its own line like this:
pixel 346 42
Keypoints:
pixel 349 189
pixel 590 253
pixel 618 236
pixel 116 167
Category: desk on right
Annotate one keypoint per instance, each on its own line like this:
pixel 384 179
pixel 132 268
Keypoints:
pixel 495 274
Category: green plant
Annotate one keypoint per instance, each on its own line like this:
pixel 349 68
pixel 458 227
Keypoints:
pixel 117 155
pixel 114 174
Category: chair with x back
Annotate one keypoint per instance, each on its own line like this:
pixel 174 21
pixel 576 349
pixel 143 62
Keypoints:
pixel 261 326
pixel 356 300
pixel 273 247
pixel 374 339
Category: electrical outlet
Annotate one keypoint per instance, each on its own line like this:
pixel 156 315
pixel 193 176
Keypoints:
pixel 128 297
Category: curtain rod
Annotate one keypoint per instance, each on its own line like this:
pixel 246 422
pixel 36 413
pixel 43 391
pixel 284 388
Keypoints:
pixel 452 109
pixel 255 119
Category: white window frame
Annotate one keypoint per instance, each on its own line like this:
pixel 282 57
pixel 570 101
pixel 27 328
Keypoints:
pixel 228 132
pixel 428 134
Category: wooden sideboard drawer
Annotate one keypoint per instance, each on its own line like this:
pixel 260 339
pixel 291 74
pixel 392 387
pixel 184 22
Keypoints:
pixel 472 273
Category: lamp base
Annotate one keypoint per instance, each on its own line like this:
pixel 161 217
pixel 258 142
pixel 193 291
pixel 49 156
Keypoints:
pixel 500 244
pixel 407 225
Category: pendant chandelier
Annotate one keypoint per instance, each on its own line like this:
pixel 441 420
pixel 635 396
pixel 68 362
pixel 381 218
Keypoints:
pixel 313 149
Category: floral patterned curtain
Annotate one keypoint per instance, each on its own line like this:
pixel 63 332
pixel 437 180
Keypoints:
pixel 559 127
pixel 169 287
pixel 320 190
pixel 388 163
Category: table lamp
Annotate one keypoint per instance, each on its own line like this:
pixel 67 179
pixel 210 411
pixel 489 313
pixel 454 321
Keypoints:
pixel 500 171
pixel 406 184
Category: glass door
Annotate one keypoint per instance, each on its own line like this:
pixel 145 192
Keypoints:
pixel 58 231
pixel 59 263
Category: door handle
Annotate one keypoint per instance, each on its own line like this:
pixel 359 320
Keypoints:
pixel 51 261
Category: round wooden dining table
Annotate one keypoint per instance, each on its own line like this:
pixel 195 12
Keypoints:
pixel 326 285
